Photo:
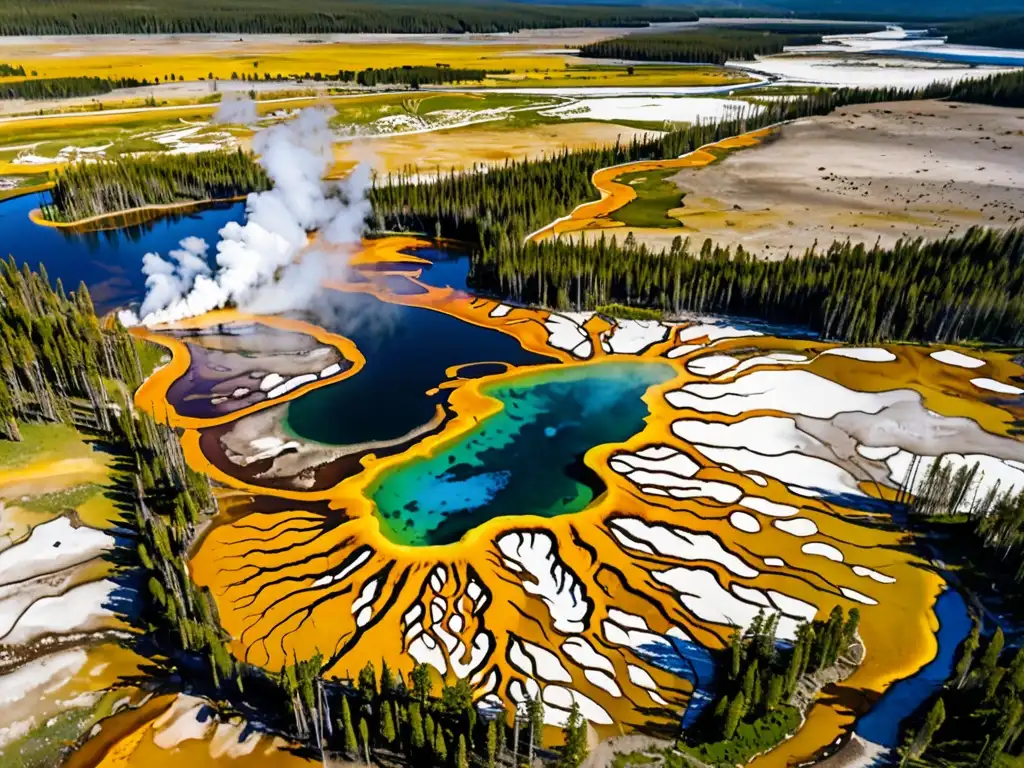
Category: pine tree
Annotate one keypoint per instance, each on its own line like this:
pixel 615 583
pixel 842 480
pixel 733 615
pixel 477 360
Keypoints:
pixel 364 736
pixel 387 723
pixel 574 751
pixel 351 745
pixel 492 743
pixel 461 760
pixel 963 665
pixel 441 748
pixel 993 651
pixel 416 736
pixel 932 722
pixel 733 716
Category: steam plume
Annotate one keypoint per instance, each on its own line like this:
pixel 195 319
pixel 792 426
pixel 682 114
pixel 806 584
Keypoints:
pixel 235 109
pixel 267 265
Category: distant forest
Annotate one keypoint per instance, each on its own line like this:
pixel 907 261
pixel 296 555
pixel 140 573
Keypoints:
pixel 64 87
pixel 69 17
pixel 714 46
pixel 85 190
pixel 996 31
pixel 496 210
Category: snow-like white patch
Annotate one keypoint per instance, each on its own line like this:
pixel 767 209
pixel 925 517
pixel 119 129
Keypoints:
pixel 556 585
pixel 641 677
pixel 630 337
pixel 52 546
pixel 768 445
pixel 501 310
pixel 78 609
pixel 675 463
pixel 680 544
pixel 539 662
pixel 873 72
pixel 561 700
pixel 992 473
pixel 604 681
pixel 881 578
pixel 683 349
pixel 775 562
pixel 701 593
pixel 266 448
pixel 795 392
pixel 653 109
pixel 952 357
pixel 799 526
pixel 744 522
pixel 856 596
pixel 864 354
pixel 714 333
pixel 821 549
pixel 270 381
pixel 565 334
pixel 768 507
pixel 879 453
pixel 293 383
pixel 711 365
pixel 330 370
pixel 34 676
pixel 997 386
pixel 580 651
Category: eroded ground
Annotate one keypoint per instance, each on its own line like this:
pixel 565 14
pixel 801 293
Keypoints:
pixel 755 483
pixel 872 172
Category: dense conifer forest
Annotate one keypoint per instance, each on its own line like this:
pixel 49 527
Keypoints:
pixel 60 362
pixel 70 17
pixel 976 719
pixel 414 77
pixel 841 290
pixel 764 685
pixel 715 46
pixel 971 287
pixel 63 87
pixel 82 191
pixel 54 357
pixel 994 31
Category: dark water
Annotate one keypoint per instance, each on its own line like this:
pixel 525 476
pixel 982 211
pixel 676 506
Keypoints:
pixel 407 350
pixel 108 262
pixel 882 724
pixel 969 59
pixel 527 459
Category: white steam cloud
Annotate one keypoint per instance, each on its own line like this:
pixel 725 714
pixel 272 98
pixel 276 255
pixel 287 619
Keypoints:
pixel 268 264
pixel 235 109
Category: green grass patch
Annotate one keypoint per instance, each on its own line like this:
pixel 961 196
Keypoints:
pixel 60 501
pixel 750 739
pixel 655 197
pixel 151 356
pixel 622 312
pixel 44 746
pixel 40 442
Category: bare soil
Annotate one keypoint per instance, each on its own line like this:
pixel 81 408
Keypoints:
pixel 872 172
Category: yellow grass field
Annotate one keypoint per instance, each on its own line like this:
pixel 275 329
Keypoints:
pixel 527 66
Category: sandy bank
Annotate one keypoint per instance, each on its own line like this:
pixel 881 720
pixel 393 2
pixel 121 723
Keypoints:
pixel 872 172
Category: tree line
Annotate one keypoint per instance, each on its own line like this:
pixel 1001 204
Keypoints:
pixel 978 716
pixel 839 290
pixel 83 190
pixel 54 357
pixel 993 31
pixel 698 47
pixel 996 514
pixel 766 686
pixel 959 288
pixel 414 77
pixel 90 17
pixel 64 87
pixel 58 362
pixel 12 70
